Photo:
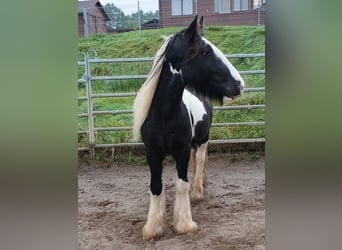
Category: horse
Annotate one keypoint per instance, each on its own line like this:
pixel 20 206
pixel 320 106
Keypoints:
pixel 172 116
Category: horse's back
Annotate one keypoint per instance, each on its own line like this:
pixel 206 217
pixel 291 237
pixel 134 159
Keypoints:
pixel 200 110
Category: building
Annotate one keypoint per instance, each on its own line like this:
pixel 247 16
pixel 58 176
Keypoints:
pixel 91 18
pixel 152 24
pixel 215 12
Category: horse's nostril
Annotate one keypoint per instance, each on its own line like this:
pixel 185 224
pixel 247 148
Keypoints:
pixel 238 89
pixel 239 86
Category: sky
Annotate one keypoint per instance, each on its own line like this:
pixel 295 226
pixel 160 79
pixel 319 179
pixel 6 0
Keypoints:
pixel 131 6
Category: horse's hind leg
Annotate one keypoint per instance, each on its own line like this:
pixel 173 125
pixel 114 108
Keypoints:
pixel 182 217
pixel 199 180
pixel 205 176
pixel 192 161
pixel 156 220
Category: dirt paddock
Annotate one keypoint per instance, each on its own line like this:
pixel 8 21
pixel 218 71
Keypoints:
pixel 113 205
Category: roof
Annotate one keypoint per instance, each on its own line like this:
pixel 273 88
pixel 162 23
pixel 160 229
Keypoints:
pixel 152 21
pixel 91 4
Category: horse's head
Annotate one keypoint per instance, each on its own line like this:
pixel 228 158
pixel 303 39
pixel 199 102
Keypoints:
pixel 204 67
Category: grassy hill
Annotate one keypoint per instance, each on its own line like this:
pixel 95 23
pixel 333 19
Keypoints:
pixel 230 39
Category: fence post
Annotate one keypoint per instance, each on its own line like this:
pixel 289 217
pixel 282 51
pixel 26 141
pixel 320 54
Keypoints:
pixel 90 104
pixel 85 18
pixel 139 18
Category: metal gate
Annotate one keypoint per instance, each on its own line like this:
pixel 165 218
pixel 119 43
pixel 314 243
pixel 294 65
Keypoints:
pixel 91 57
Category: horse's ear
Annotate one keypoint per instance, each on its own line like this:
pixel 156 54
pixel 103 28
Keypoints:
pixel 192 31
pixel 200 25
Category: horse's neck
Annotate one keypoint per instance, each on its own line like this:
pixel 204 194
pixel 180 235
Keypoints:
pixel 168 96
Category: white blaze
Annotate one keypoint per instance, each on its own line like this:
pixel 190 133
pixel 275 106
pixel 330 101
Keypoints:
pixel 224 60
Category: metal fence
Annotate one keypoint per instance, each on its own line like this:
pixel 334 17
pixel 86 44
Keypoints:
pixel 91 57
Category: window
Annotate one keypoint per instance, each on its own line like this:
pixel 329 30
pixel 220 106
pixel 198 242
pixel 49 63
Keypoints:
pixel 236 5
pixel 222 6
pixel 176 7
pixel 240 5
pixel 181 7
pixel 187 7
pixel 244 5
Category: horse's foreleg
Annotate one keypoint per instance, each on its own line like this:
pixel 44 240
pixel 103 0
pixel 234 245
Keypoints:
pixel 200 176
pixel 156 219
pixel 155 224
pixel 182 217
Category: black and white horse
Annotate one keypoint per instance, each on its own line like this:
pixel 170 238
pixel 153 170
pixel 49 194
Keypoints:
pixel 172 116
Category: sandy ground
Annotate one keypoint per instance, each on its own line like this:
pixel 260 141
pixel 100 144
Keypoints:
pixel 113 205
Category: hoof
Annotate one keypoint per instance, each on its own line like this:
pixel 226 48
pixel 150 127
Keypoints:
pixel 196 196
pixel 150 232
pixel 205 182
pixel 183 228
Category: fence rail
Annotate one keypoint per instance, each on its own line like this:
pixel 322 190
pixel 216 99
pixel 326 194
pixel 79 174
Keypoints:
pixel 91 57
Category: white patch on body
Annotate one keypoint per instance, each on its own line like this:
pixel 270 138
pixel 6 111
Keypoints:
pixel 174 71
pixel 195 108
pixel 221 56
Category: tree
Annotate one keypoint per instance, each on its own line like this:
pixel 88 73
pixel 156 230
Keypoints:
pixel 118 19
pixel 144 16
pixel 116 15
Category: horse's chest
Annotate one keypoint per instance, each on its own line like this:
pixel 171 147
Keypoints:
pixel 166 134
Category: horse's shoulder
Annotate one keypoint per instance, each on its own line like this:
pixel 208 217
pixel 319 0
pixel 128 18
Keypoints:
pixel 197 105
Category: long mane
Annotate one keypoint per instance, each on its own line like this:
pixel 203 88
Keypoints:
pixel 143 100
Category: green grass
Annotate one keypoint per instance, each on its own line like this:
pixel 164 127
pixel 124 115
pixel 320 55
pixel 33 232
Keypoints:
pixel 230 39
